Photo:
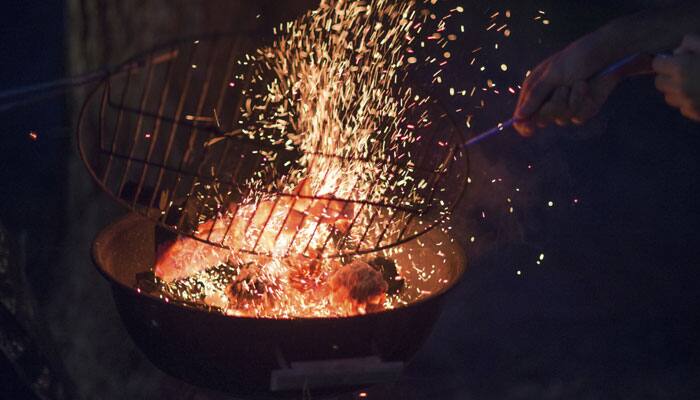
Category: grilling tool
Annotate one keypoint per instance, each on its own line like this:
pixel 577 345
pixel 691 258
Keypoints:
pixel 636 64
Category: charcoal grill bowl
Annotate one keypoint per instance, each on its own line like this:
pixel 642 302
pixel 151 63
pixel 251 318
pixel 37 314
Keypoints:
pixel 237 354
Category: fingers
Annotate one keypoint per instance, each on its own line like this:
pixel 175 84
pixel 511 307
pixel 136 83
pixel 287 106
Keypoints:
pixel 666 84
pixel 538 94
pixel 679 78
pixel 672 66
pixel 580 103
pixel 574 105
pixel 691 112
pixel 690 45
pixel 579 92
pixel 588 98
pixel 602 86
pixel 525 128
pixel 675 100
pixel 556 109
pixel 560 106
pixel 536 90
pixel 533 98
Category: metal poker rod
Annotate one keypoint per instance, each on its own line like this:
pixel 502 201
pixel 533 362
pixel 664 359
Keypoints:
pixel 636 64
pixel 12 98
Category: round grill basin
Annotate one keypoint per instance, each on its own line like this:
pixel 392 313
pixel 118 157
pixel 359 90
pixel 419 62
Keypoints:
pixel 240 355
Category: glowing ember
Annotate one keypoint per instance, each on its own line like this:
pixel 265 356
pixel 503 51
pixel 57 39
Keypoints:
pixel 357 287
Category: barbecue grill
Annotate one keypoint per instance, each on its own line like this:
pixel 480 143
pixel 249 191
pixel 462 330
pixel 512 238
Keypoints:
pixel 156 136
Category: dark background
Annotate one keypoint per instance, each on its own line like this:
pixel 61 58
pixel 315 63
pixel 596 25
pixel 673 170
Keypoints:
pixel 612 312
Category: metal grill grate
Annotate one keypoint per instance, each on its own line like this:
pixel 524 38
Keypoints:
pixel 159 135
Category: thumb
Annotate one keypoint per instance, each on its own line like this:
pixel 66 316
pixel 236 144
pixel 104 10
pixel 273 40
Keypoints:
pixel 690 45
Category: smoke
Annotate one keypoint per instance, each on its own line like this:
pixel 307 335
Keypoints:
pixel 518 186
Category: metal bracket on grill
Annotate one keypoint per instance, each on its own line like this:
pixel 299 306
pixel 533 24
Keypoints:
pixel 335 373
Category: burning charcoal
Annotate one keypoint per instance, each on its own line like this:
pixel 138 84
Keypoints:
pixel 390 273
pixel 193 288
pixel 246 286
pixel 358 285
pixel 251 287
pixel 305 271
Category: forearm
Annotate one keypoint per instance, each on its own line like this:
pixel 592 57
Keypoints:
pixel 651 30
pixel 568 87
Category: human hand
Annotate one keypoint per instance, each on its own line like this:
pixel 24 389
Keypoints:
pixel 678 77
pixel 563 88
